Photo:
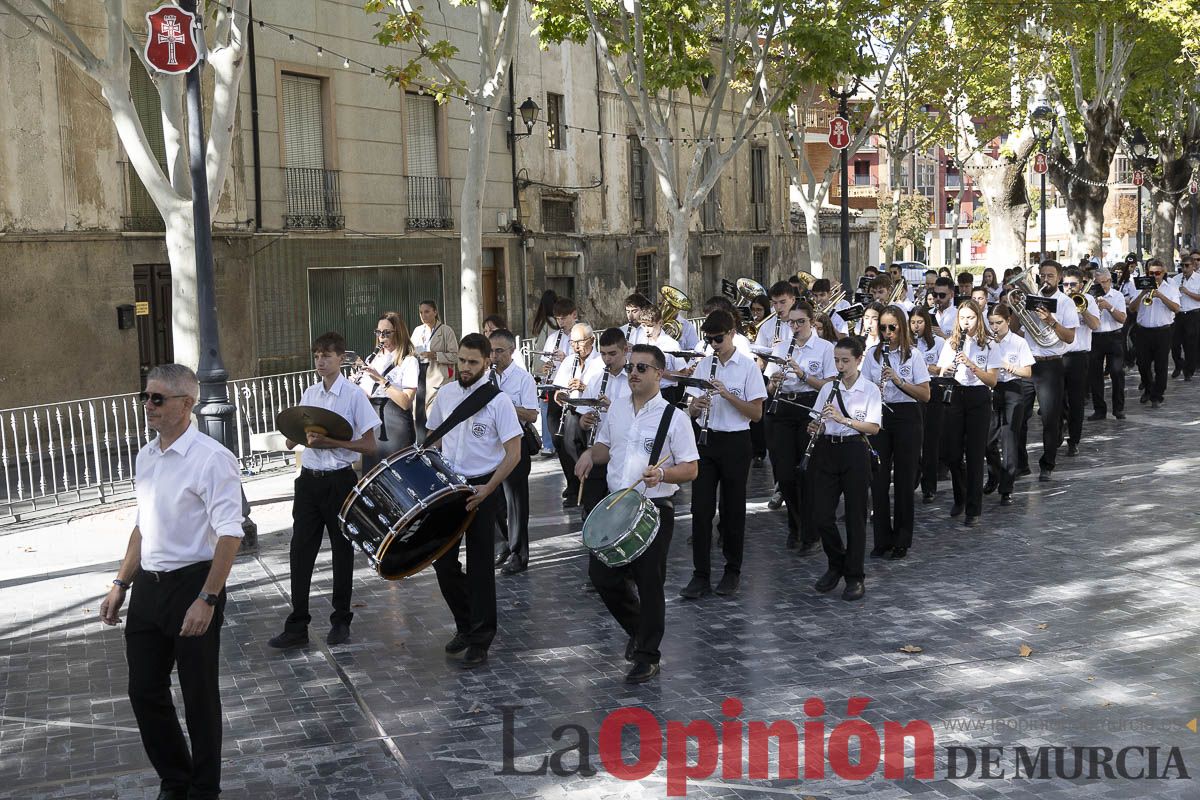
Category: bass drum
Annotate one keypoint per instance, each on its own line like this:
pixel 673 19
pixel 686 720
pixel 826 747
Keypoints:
pixel 406 512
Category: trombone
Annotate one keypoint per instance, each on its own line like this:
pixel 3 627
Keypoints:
pixel 1080 297
pixel 836 295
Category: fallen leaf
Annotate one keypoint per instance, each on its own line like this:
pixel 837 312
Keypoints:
pixel 1091 677
pixel 911 648
pixel 358 605
pixel 1042 627
pixel 1106 704
pixel 475 709
pixel 1025 651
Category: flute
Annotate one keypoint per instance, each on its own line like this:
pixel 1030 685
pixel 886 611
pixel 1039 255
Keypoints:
pixel 712 373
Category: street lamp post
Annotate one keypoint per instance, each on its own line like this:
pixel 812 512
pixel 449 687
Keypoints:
pixel 1194 162
pixel 1139 147
pixel 1038 122
pixel 843 98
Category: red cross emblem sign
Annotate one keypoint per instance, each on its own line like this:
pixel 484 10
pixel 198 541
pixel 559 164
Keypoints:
pixel 170 47
pixel 839 133
pixel 1138 178
pixel 1193 188
pixel 1040 165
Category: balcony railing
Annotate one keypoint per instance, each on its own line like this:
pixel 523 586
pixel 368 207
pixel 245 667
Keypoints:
pixel 428 203
pixel 860 186
pixel 314 198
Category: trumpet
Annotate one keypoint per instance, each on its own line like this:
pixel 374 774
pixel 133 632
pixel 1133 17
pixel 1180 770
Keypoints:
pixel 1149 299
pixel 1080 297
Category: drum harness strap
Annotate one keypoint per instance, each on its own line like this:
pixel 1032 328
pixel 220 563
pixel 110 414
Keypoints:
pixel 380 402
pixel 466 409
pixel 660 438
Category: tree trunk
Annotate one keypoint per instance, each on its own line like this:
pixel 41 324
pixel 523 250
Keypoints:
pixel 1007 200
pixel 470 254
pixel 1085 202
pixel 890 225
pixel 1163 226
pixel 185 305
pixel 678 220
pixel 812 229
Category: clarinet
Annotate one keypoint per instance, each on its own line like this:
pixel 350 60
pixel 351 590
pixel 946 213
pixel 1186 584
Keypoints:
pixel 358 375
pixel 562 421
pixel 548 358
pixel 813 439
pixel 774 407
pixel 712 373
pixel 596 428
pixel 883 351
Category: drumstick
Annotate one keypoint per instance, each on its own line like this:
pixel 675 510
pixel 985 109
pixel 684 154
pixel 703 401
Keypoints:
pixel 617 499
pixel 579 499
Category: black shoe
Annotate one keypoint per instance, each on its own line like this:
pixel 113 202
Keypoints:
pixel 1119 416
pixel 898 553
pixel 502 556
pixel 569 502
pixel 1145 398
pixel 1072 449
pixel 793 541
pixel 729 584
pixel 956 509
pixel 971 522
pixel 1141 386
pixel 641 672
pixel 990 486
pixel 1023 471
pixel 1099 415
pixel 630 646
pixel 456 645
pixel 514 566
pixel 566 493
pixel 1176 372
pixel 1044 475
pixel 854 591
pixel 776 501
pixel 289 639
pixel 827 582
pixel 927 497
pixel 476 657
pixel 697 587
pixel 808 548
pixel 1006 500
pixel 1187 378
pixel 172 794
pixel 880 552
pixel 339 633
pixel 1156 403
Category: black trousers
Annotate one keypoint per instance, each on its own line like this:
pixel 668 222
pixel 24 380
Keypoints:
pixel 931 442
pixel 898 444
pixel 724 469
pixel 634 593
pixel 471 595
pixel 152 647
pixel 565 444
pixel 965 430
pixel 1108 357
pixel 1075 380
pixel 1007 432
pixel 1153 353
pixel 758 433
pixel 1186 341
pixel 1049 382
pixel 512 508
pixel 841 469
pixel 315 507
pixel 595 488
pixel 787 431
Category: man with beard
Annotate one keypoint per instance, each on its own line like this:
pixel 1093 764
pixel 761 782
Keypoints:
pixel 485 446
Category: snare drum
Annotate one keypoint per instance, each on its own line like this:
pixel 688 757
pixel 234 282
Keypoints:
pixel 620 534
pixel 406 512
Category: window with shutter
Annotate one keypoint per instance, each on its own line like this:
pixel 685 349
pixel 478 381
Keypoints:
pixel 637 185
pixel 141 213
pixel 313 192
pixel 428 192
pixel 758 187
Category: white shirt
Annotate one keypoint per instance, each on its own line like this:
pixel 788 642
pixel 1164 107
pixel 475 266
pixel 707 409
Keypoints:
pixel 840 324
pixel 1066 316
pixel 771 334
pixel 613 387
pixel 629 329
pixel 743 380
pixel 1157 315
pixel 689 337
pixel 1107 322
pixel 740 343
pixel 474 447
pixel 629 437
pixel 1012 351
pixel 1192 284
pixel 815 358
pixel 947 319
pixel 519 386
pixel 912 370
pixel 556 343
pixel 348 401
pixel 931 354
pixel 187 497
pixel 1083 334
pixel 964 376
pixel 404 375
pixel 572 368
pixel 863 403
pixel 664 343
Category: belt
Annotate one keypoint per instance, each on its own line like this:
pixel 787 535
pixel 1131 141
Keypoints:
pixel 1047 358
pixel 830 439
pixel 795 395
pixel 163 575
pixel 321 473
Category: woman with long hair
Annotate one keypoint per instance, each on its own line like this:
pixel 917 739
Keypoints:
pixel 393 388
pixel 543 319
pixel 898 368
pixel 965 359
pixel 868 326
pixel 436 345
pixel 992 286
pixel 926 339
pixel 823 327
pixel 760 307
pixel 1006 439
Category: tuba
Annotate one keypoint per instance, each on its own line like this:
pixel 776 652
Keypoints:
pixel 1019 286
pixel 671 303
pixel 747 290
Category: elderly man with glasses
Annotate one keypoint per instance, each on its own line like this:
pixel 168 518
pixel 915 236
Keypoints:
pixel 1157 308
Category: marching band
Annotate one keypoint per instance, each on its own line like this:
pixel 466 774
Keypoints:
pixel 860 398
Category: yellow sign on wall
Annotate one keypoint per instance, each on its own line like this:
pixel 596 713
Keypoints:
pixel 142 308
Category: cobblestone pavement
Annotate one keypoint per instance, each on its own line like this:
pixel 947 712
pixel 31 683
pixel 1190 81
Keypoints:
pixel 1096 572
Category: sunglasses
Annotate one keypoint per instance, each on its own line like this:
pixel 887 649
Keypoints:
pixel 641 367
pixel 942 295
pixel 889 328
pixel 384 334
pixel 156 398
pixel 1157 274
pixel 717 339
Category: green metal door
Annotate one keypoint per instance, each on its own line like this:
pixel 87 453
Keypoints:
pixel 349 300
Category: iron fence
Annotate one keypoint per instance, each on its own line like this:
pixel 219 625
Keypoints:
pixel 428 203
pixel 314 198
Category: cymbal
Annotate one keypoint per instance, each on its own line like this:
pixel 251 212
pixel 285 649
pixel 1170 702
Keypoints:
pixel 296 422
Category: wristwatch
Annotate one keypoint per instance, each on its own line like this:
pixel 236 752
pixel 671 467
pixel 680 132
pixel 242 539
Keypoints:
pixel 211 599
pixel 120 583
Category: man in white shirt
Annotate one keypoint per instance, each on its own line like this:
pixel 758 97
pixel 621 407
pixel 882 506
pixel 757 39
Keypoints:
pixel 1185 345
pixel 635 304
pixel 1049 372
pixel 1108 348
pixel 608 383
pixel 188 529
pixel 1075 360
pixel 821 291
pixel 725 453
pixel 776 330
pixel 324 483
pixel 944 311
pixel 636 430
pixel 518 384
pixel 571 374
pixel 485 447
pixel 1153 341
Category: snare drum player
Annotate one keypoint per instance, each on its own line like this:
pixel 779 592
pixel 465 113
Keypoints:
pixel 610 384
pixel 485 446
pixel 636 428
pixel 725 452
pixel 322 487
pixel 518 384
